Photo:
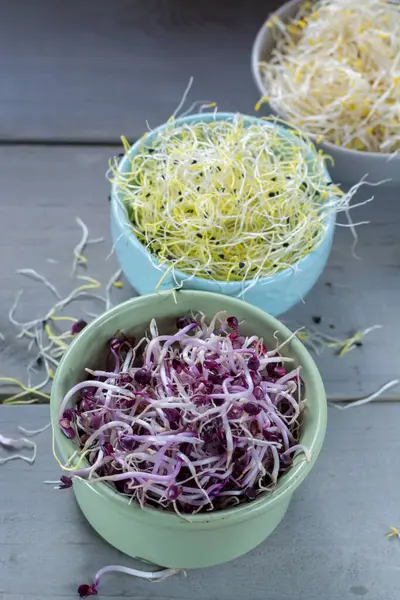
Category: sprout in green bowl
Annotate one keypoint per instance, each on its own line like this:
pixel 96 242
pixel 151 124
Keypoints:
pixel 199 420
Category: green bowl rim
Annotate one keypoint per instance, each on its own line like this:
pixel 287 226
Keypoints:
pixel 289 481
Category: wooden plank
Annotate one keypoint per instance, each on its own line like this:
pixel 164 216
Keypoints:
pixel 44 189
pixel 94 70
pixel 331 544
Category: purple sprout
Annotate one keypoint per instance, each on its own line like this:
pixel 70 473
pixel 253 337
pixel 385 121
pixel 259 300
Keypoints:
pixel 251 493
pixel 279 371
pixel 182 322
pixel 256 379
pixel 177 365
pixel 258 393
pixel 253 363
pixel 252 408
pixel 212 365
pixel 86 590
pixel 108 449
pixel 78 326
pixel 233 323
pixel 114 344
pixel 194 421
pixel 124 378
pixel 66 425
pixel 65 482
pixel 143 377
pixel 173 492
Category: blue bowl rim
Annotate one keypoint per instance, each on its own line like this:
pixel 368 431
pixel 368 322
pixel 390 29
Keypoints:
pixel 121 216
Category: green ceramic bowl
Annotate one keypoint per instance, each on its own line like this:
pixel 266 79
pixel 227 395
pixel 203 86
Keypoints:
pixel 164 538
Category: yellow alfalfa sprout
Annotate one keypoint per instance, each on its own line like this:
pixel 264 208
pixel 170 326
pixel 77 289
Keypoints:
pixel 394 532
pixel 228 200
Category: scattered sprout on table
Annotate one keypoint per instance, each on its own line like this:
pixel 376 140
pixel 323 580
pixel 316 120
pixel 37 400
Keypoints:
pixel 86 590
pixel 79 258
pixel 33 432
pixel 367 399
pixel 316 340
pixel 41 332
pixel 21 443
pixel 17 444
pixel 394 532
pixel 114 279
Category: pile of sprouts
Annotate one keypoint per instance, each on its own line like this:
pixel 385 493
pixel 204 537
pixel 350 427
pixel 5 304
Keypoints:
pixel 202 419
pixel 335 72
pixel 228 200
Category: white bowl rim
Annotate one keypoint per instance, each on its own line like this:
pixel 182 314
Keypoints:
pixel 255 61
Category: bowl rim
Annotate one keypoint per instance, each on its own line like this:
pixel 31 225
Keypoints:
pixel 286 484
pixel 262 34
pixel 121 216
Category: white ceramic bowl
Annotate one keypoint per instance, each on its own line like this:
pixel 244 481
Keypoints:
pixel 350 165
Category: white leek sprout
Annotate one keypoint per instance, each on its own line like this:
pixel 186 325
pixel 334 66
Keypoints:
pixel 335 72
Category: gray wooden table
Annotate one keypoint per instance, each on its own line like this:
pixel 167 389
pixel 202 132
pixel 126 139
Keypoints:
pixel 76 76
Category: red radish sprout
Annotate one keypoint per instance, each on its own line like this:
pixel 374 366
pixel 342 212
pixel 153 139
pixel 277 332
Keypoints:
pixel 186 422
pixel 86 590
pixel 78 326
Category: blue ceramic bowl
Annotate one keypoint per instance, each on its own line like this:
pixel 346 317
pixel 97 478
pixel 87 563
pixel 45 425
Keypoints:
pixel 275 294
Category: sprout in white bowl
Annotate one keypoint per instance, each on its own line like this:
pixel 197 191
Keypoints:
pixel 335 72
